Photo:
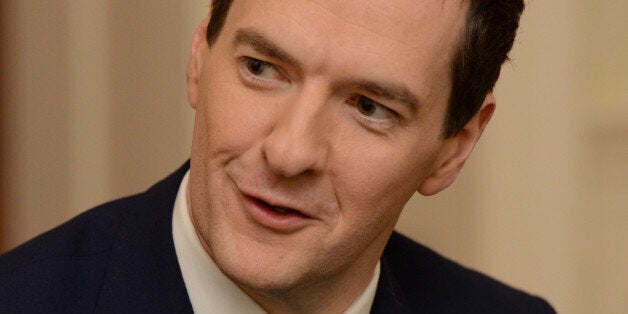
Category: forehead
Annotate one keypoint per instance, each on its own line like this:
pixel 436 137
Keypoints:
pixel 412 39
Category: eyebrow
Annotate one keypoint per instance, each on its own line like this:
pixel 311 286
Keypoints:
pixel 261 44
pixel 388 91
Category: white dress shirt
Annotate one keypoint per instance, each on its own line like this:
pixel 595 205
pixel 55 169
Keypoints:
pixel 210 291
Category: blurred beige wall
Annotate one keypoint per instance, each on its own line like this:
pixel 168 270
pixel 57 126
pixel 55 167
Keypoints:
pixel 97 109
pixel 96 104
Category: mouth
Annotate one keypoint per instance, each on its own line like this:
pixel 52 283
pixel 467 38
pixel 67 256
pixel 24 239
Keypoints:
pixel 278 218
pixel 284 211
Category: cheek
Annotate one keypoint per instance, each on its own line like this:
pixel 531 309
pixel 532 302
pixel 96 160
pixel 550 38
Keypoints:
pixel 230 120
pixel 375 183
pixel 229 116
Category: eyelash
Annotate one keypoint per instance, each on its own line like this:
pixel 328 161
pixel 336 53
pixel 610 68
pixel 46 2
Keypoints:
pixel 244 64
pixel 381 124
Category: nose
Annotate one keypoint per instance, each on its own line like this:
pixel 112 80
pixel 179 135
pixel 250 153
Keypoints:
pixel 298 141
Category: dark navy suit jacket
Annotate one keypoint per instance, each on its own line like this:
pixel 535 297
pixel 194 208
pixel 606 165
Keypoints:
pixel 120 258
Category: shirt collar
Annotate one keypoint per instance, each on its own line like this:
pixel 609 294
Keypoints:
pixel 210 291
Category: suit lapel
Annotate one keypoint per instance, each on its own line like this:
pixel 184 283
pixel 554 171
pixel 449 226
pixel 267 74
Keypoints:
pixel 143 275
pixel 388 298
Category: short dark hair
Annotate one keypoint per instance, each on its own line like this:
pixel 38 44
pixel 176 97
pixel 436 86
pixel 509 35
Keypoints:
pixel 220 9
pixel 488 36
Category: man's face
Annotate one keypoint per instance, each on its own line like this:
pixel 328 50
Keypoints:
pixel 315 122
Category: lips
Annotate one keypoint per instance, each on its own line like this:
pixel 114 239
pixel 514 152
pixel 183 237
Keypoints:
pixel 278 209
pixel 275 217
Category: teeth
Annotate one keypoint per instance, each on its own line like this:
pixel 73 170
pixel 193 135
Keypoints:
pixel 280 210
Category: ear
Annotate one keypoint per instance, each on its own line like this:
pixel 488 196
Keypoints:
pixel 195 65
pixel 456 150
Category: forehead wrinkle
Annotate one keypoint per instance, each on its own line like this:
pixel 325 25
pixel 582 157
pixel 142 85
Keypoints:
pixel 419 20
pixel 346 21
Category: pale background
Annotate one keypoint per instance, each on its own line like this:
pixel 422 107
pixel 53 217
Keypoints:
pixel 96 108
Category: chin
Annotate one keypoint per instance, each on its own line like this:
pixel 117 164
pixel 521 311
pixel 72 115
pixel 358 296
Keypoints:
pixel 263 276
pixel 257 267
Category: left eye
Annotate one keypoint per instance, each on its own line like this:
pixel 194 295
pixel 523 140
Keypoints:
pixel 259 67
pixel 260 72
pixel 371 109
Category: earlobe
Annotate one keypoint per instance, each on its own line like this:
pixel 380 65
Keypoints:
pixel 195 64
pixel 456 150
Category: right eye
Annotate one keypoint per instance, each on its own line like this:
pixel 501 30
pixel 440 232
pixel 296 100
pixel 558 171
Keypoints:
pixel 373 114
pixel 260 73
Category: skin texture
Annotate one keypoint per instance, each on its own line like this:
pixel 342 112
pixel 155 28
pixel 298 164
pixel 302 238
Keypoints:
pixel 296 131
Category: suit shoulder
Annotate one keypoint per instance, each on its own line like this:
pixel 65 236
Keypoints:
pixel 43 271
pixel 430 281
pixel 86 234
pixel 67 269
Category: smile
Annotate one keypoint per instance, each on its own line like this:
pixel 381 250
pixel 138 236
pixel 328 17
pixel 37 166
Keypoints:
pixel 277 218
